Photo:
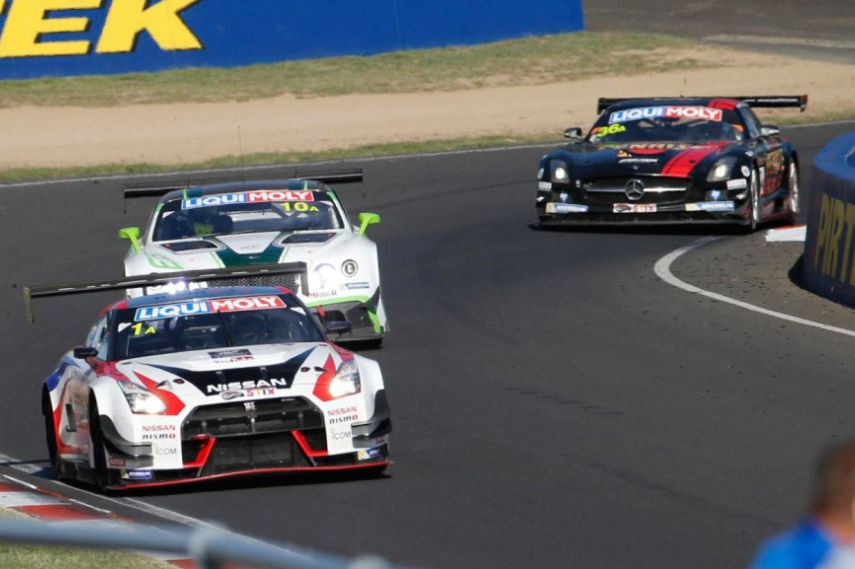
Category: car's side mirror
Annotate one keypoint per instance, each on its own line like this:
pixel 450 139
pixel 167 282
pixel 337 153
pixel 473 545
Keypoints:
pixel 574 133
pixel 770 130
pixel 338 326
pixel 132 234
pixel 366 219
pixel 85 352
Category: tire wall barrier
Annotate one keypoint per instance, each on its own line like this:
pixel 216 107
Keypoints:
pixel 828 264
pixel 76 37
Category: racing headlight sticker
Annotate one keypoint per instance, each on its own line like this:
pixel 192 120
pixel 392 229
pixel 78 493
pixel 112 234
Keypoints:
pixel 142 402
pixel 721 170
pixel 324 277
pixel 559 171
pixel 334 384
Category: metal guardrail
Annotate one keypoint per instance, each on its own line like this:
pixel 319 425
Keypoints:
pixel 209 548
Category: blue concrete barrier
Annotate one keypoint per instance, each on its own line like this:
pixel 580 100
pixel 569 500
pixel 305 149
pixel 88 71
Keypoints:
pixel 828 267
pixel 75 37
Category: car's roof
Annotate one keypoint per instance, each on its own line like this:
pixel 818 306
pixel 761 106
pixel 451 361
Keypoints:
pixel 235 187
pixel 676 101
pixel 196 294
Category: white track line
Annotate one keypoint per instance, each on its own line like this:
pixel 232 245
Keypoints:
pixel 663 271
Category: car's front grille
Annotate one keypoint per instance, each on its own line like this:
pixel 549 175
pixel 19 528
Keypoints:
pixel 256 452
pixel 291 281
pixel 657 189
pixel 252 417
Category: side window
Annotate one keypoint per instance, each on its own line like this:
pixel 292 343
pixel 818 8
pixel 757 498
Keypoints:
pixel 752 123
pixel 98 338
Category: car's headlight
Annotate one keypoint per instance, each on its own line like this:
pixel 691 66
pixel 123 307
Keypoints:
pixel 721 170
pixel 559 171
pixel 142 402
pixel 345 382
pixel 324 277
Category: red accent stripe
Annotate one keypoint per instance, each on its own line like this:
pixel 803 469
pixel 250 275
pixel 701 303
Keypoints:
pixel 174 405
pixel 252 472
pixel 203 455
pixel 60 512
pixel 684 162
pixel 726 104
pixel 304 444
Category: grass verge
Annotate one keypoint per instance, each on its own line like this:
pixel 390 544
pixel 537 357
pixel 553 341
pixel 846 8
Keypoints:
pixel 528 61
pixel 45 557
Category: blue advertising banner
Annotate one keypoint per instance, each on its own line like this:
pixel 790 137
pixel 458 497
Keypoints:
pixel 76 37
pixel 828 264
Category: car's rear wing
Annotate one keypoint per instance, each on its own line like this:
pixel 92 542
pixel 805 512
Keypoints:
pixel 355 176
pixel 758 102
pixel 159 279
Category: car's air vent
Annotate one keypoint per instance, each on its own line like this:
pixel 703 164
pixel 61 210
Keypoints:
pixel 297 238
pixel 181 246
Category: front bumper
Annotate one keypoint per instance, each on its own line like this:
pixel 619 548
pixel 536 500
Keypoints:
pixel 255 437
pixel 365 316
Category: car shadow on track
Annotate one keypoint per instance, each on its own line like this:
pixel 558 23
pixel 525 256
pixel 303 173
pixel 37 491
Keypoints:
pixel 698 230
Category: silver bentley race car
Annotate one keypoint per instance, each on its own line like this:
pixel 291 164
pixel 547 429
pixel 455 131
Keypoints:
pixel 245 224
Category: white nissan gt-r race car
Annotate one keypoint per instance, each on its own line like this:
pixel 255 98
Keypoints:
pixel 245 224
pixel 209 383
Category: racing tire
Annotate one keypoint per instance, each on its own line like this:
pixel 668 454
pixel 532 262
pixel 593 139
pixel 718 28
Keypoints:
pixel 50 437
pixel 754 202
pixel 96 439
pixel 793 194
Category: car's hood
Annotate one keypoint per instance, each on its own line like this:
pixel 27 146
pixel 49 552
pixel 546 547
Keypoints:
pixel 244 249
pixel 665 159
pixel 216 371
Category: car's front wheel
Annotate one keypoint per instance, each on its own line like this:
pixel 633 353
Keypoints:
pixel 99 454
pixel 793 188
pixel 754 201
pixel 50 436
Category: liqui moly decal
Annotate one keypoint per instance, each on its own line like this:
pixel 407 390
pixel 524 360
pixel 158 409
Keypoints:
pixel 208 307
pixel 258 196
pixel 672 112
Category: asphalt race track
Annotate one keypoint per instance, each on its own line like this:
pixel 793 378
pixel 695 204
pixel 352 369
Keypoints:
pixel 555 404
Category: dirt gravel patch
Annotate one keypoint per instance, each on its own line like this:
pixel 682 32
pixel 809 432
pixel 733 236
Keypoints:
pixel 192 132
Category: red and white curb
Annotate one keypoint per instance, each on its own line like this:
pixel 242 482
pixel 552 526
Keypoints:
pixel 51 507
pixel 792 234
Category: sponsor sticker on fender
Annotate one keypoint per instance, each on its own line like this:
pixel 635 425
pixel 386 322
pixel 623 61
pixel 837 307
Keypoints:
pixel 208 307
pixel 667 112
pixel 258 196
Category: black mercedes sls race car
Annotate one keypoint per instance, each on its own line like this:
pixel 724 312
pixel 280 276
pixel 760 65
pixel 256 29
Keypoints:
pixel 673 160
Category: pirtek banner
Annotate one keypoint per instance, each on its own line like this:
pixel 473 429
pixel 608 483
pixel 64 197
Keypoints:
pixel 829 260
pixel 75 37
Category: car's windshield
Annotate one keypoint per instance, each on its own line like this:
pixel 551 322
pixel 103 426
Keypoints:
pixel 211 324
pixel 667 123
pixel 246 212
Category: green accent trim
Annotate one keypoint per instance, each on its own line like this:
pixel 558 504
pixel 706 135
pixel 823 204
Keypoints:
pixel 217 260
pixel 160 262
pixel 367 218
pixel 337 300
pixel 269 256
pixel 283 255
pixel 132 234
pixel 184 194
pixel 375 321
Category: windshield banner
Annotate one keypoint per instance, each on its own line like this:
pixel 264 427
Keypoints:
pixel 200 307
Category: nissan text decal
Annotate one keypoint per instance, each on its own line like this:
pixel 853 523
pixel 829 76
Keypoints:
pixel 259 196
pixel 198 307
pixel 33 27
pixel 672 112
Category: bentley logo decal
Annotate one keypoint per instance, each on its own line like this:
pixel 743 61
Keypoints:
pixel 635 189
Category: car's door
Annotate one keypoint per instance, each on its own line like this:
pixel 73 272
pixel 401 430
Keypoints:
pixel 79 387
pixel 770 157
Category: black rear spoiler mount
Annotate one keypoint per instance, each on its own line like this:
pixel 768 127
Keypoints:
pixel 763 102
pixel 159 279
